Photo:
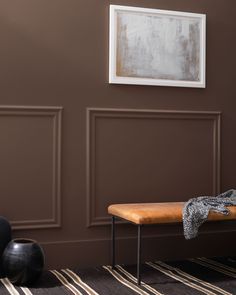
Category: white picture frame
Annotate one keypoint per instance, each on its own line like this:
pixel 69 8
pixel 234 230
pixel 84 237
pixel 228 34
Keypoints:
pixel 156 47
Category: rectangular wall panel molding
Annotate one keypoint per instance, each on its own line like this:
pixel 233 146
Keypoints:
pixel 138 155
pixel 30 137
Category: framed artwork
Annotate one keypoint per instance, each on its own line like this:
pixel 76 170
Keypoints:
pixel 156 47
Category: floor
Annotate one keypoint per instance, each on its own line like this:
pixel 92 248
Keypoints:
pixel 194 276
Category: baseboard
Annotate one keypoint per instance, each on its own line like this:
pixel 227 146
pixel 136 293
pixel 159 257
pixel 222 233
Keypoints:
pixel 84 253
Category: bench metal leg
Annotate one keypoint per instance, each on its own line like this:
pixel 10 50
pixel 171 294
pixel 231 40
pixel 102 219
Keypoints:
pixel 139 249
pixel 139 255
pixel 113 248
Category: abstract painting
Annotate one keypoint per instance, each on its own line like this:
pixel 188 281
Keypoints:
pixel 156 47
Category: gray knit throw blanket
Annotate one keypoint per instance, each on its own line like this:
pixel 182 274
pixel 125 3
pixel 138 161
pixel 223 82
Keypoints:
pixel 196 210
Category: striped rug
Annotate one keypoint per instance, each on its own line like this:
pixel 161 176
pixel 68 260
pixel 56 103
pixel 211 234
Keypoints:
pixel 194 276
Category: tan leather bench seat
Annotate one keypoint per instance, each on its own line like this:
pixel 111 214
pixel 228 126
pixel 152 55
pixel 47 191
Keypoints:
pixel 153 213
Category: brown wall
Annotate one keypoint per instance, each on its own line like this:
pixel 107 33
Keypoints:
pixel 71 143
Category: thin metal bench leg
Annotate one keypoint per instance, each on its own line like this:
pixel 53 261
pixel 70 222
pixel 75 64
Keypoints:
pixel 113 248
pixel 139 255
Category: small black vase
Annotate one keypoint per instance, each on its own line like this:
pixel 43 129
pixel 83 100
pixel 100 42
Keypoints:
pixel 23 261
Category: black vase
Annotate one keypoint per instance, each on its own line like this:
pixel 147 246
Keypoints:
pixel 5 237
pixel 23 261
pixel 5 234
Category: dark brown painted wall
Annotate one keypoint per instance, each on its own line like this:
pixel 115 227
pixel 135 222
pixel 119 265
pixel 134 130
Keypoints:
pixel 56 183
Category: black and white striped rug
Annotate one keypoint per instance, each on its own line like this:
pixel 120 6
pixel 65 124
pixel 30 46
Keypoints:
pixel 194 276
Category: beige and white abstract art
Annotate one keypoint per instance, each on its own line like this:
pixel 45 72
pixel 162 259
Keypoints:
pixel 156 47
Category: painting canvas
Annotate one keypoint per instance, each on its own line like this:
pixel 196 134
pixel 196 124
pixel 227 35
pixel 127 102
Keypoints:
pixel 156 47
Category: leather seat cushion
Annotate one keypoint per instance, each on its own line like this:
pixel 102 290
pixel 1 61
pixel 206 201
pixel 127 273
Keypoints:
pixel 153 213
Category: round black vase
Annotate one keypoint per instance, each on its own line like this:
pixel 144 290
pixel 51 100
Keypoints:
pixel 23 261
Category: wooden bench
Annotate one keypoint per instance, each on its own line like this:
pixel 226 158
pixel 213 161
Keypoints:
pixel 153 213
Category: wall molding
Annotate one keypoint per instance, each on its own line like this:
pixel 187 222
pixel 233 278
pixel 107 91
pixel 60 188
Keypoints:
pixel 202 232
pixel 95 113
pixel 55 113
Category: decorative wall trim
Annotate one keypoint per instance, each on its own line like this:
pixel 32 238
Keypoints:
pixel 226 226
pixel 55 113
pixel 94 113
